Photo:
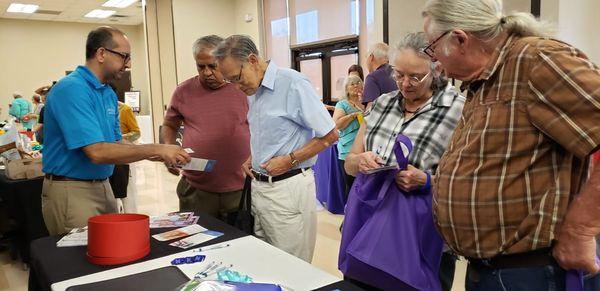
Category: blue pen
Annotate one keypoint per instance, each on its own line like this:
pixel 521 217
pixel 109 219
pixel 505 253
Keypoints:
pixel 188 260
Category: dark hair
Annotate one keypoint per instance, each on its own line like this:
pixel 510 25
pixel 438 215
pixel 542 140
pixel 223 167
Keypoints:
pixel 37 98
pixel 100 37
pixel 358 69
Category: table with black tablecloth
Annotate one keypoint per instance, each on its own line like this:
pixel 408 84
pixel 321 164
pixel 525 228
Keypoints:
pixel 24 204
pixel 50 264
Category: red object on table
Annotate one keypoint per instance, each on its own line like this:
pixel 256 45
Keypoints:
pixel 115 239
pixel 27 133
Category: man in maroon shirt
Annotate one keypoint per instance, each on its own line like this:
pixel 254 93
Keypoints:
pixel 213 114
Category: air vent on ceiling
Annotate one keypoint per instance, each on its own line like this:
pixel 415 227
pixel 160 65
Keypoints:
pixel 48 12
pixel 119 16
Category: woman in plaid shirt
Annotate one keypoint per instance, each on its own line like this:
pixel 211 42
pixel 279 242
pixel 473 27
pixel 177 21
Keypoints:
pixel 426 109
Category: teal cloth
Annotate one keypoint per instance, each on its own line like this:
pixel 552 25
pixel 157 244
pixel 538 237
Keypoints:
pixel 348 134
pixel 19 108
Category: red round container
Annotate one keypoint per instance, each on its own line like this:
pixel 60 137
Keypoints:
pixel 118 238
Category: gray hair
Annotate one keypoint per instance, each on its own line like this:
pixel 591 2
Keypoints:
pixel 483 18
pixel 236 46
pixel 350 79
pixel 379 51
pixel 417 42
pixel 206 42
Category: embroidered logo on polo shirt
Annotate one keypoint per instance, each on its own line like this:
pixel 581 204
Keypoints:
pixel 110 111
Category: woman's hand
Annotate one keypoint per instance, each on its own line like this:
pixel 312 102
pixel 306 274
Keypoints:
pixel 411 179
pixel 369 161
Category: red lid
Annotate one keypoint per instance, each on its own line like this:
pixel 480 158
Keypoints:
pixel 118 238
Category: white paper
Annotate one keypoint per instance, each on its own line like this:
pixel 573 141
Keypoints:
pixel 197 164
pixel 76 237
pixel 179 233
pixel 196 239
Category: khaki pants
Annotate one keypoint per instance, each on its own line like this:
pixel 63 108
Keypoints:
pixel 285 214
pixel 69 204
pixel 218 205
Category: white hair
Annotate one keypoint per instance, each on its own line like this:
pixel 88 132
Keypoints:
pixel 482 18
pixel 417 42
pixel 206 42
pixel 351 79
pixel 380 51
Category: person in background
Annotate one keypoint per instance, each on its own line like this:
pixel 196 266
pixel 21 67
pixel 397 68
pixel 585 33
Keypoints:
pixel 379 80
pixel 426 109
pixel 82 136
pixel 513 192
pixel 346 118
pixel 38 128
pixel 214 114
pixel 122 176
pixel 356 70
pixel 288 127
pixel 20 109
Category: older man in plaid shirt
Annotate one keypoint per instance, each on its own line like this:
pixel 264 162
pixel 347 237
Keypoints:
pixel 510 191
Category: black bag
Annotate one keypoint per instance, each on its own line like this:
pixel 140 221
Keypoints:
pixel 243 219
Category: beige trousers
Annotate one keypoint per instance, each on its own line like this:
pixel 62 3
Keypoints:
pixel 285 214
pixel 69 204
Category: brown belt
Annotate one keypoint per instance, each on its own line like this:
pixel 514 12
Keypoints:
pixel 537 258
pixel 63 178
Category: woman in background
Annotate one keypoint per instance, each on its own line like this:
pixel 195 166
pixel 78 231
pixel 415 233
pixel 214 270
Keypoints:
pixel 346 118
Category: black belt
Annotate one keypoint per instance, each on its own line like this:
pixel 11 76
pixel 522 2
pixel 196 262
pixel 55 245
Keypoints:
pixel 63 178
pixel 265 178
pixel 537 258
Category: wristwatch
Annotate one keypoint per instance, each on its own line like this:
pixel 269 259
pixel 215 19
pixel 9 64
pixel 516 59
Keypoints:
pixel 294 160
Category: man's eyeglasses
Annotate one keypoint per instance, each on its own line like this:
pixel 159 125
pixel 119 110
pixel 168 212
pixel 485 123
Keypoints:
pixel 430 50
pixel 412 80
pixel 125 56
pixel 239 76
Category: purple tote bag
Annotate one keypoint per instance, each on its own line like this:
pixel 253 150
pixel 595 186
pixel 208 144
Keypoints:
pixel 389 239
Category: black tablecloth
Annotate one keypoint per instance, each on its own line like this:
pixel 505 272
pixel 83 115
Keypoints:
pixel 24 203
pixel 50 264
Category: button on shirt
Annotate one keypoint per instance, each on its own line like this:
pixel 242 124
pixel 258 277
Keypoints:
pixel 284 115
pixel 80 111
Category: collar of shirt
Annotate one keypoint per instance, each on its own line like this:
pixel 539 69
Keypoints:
pixel 498 58
pixel 269 77
pixel 90 77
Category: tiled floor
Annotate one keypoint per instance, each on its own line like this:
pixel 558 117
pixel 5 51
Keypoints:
pixel 156 194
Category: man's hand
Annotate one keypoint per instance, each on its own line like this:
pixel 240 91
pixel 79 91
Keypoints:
pixel 368 161
pixel 173 155
pixel 411 179
pixel 576 250
pixel 173 170
pixel 278 165
pixel 247 167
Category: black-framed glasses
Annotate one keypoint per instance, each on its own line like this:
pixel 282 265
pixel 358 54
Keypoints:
pixel 429 50
pixel 125 56
pixel 412 80
pixel 239 76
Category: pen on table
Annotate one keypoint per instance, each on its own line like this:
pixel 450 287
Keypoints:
pixel 208 248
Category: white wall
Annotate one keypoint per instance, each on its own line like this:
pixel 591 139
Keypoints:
pixel 196 18
pixel 578 23
pixel 193 19
pixel 35 53
pixel 243 7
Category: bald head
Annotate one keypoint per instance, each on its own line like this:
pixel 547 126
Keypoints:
pixel 378 55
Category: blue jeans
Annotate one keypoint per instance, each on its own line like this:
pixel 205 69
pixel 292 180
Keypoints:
pixel 546 278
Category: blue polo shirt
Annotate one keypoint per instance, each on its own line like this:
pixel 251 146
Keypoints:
pixel 80 111
pixel 284 115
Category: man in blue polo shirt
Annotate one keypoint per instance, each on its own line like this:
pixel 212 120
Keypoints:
pixel 83 138
pixel 289 126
